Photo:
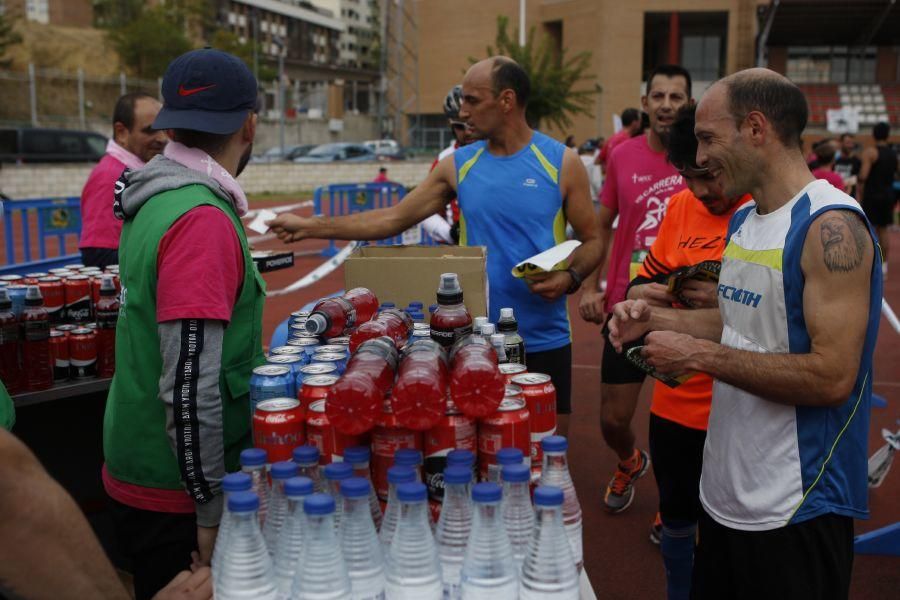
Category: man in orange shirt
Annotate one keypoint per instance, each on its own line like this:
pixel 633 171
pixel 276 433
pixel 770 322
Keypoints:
pixel 692 232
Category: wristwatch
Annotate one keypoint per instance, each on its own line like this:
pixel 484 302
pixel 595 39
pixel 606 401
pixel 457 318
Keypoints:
pixel 576 281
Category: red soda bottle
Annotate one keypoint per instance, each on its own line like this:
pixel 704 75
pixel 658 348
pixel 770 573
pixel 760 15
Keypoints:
pixel 332 317
pixel 476 384
pixel 378 358
pixel 356 400
pixel 107 311
pixel 420 394
pixel 36 341
pixel 392 323
pixel 10 371
pixel 450 321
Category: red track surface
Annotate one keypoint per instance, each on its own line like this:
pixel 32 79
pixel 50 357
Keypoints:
pixel 619 558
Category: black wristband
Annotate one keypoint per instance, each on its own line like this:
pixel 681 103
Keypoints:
pixel 576 280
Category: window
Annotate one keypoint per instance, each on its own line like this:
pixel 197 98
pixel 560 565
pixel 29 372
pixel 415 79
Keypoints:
pixel 38 10
pixel 700 54
pixel 232 18
pixel 831 64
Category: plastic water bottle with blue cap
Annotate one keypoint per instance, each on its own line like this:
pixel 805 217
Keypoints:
pixel 359 542
pixel 454 525
pixel 359 458
pixel 292 536
pixel 281 472
pixel 409 457
pixel 555 472
pixel 321 571
pixel 253 463
pixel 396 476
pixel 518 513
pixel 231 483
pixel 335 473
pixel 488 571
pixel 413 570
pixel 246 566
pixel 307 459
pixel 549 572
pixel 505 456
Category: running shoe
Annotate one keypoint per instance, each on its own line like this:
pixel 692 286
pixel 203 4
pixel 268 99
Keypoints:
pixel 620 491
pixel 656 530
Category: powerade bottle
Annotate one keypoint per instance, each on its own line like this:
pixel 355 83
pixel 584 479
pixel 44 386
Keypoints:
pixel 107 311
pixel 509 327
pixel 10 372
pixel 332 317
pixel 451 320
pixel 36 341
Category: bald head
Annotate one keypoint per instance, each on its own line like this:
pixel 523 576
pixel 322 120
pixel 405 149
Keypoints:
pixel 771 94
pixel 502 73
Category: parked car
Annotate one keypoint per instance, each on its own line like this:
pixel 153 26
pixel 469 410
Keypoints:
pixel 38 145
pixel 338 152
pixel 386 149
pixel 290 153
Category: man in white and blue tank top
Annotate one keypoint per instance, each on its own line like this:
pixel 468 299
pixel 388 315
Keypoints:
pixel 790 348
pixel 517 189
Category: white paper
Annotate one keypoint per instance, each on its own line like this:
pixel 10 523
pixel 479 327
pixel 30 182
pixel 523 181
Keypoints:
pixel 258 224
pixel 547 259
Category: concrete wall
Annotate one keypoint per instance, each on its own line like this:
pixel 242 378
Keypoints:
pixel 41 181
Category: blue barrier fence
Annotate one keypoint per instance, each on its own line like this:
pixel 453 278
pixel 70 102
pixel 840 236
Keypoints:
pixel 349 198
pixel 45 220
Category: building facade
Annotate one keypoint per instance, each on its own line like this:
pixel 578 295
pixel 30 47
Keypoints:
pixel 357 43
pixel 68 13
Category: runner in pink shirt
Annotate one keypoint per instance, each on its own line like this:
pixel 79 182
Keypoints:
pixel 134 143
pixel 631 125
pixel 639 182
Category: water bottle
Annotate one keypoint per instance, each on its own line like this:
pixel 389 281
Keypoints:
pixel 321 571
pixel 359 457
pixel 359 542
pixel 549 572
pixel 409 457
pixel 253 462
pixel 231 483
pixel 518 513
pixel 396 476
pixel 413 570
pixel 460 457
pixel 505 456
pixel 281 472
pixel 454 526
pixel 488 571
pixel 555 472
pixel 307 459
pixel 498 341
pixel 246 566
pixel 292 536
pixel 477 324
pixel 335 473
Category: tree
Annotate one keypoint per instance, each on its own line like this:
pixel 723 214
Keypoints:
pixel 148 44
pixel 553 77
pixel 229 42
pixel 8 38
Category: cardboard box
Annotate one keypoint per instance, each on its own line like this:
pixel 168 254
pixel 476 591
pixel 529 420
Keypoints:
pixel 402 274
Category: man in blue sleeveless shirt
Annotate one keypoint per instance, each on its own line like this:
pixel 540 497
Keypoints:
pixel 517 188
pixel 790 348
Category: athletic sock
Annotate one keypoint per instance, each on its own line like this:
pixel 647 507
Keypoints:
pixel 677 546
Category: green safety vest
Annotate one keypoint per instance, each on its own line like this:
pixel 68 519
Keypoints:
pixel 135 443
pixel 7 409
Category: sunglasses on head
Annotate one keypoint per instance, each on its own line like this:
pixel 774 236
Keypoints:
pixel 689 169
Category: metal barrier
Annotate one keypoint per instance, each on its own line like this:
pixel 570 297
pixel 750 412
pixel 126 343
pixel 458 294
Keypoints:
pixel 51 218
pixel 349 198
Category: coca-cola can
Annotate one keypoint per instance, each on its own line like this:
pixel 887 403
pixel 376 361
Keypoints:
pixel 74 266
pixel 307 371
pixel 33 278
pixel 540 398
pixel 388 437
pixel 96 282
pixel 330 442
pixel 83 353
pixel 67 329
pixel 61 272
pixel 59 355
pixel 279 427
pixel 510 370
pixel 315 388
pixel 507 428
pixel 53 290
pixel 78 299
pixel 451 432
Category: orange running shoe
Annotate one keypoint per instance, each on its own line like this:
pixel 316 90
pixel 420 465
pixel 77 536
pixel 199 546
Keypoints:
pixel 620 491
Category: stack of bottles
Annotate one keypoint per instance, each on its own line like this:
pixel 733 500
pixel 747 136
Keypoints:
pixel 288 540
pixel 57 326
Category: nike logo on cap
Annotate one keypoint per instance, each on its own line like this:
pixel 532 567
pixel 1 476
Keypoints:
pixel 183 91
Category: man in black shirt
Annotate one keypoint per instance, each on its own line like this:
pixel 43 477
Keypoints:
pixel 847 163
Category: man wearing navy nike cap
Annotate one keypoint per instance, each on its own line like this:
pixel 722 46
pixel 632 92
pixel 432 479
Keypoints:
pixel 189 329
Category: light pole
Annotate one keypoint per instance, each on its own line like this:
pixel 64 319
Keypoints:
pixel 280 44
pixel 521 22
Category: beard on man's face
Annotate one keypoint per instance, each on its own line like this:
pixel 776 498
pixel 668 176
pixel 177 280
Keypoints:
pixel 245 158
